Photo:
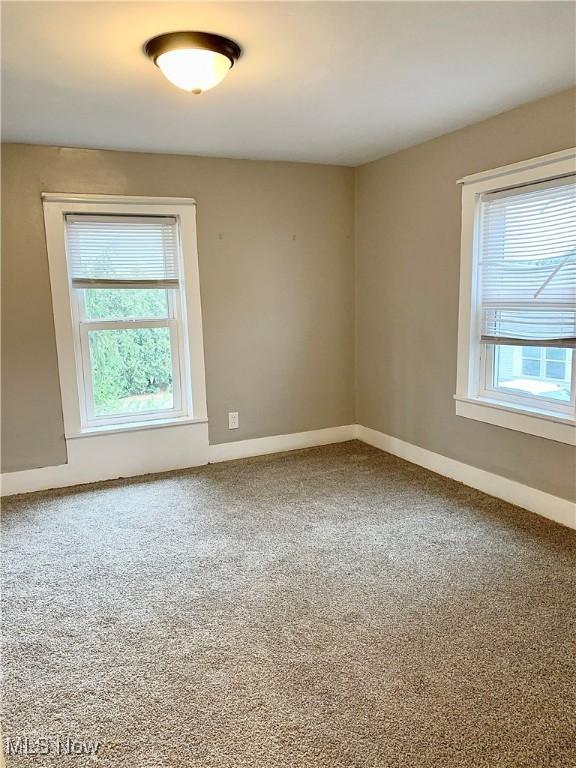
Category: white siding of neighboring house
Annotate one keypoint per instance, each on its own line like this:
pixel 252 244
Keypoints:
pixel 510 363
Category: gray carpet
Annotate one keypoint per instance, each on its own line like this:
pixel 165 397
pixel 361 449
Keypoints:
pixel 328 608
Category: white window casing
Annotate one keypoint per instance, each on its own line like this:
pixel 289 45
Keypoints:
pixel 163 254
pixel 520 301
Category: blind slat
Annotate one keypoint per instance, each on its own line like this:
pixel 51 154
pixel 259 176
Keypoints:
pixel 122 251
pixel 527 265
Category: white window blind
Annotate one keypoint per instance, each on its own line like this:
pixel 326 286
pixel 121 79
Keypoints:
pixel 122 251
pixel 527 265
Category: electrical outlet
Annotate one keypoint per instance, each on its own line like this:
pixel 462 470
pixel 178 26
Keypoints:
pixel 233 422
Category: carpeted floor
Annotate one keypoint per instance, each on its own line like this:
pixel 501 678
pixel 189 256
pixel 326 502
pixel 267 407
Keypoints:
pixel 328 608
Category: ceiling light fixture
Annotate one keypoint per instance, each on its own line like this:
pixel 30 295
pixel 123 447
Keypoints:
pixel 194 61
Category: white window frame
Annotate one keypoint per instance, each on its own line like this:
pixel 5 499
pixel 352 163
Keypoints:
pixel 475 399
pixel 71 326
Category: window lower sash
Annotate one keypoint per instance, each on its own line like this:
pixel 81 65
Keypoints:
pixel 537 404
pixel 86 393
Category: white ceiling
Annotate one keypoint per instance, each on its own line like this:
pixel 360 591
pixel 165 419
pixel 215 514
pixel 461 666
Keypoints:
pixel 329 82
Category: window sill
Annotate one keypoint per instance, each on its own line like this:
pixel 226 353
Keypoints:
pixel 548 425
pixel 133 426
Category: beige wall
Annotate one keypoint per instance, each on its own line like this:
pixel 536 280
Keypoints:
pixel 277 281
pixel 279 312
pixel 407 266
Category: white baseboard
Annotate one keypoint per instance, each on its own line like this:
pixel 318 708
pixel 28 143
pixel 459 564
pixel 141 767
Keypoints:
pixel 544 504
pixel 91 460
pixel 259 446
pixel 105 457
pixel 108 457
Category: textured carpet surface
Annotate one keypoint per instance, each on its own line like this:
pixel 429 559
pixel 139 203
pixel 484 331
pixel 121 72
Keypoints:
pixel 334 608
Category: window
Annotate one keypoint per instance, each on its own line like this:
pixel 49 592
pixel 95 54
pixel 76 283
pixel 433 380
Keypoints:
pixel 518 297
pixel 123 297
pixel 127 310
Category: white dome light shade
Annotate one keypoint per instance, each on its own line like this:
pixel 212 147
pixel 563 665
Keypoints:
pixel 193 61
pixel 194 69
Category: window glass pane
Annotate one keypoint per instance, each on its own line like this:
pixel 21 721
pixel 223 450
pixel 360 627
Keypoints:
pixel 131 370
pixel 530 367
pixel 555 370
pixel 125 303
pixel 519 375
pixel 556 353
pixel 531 353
